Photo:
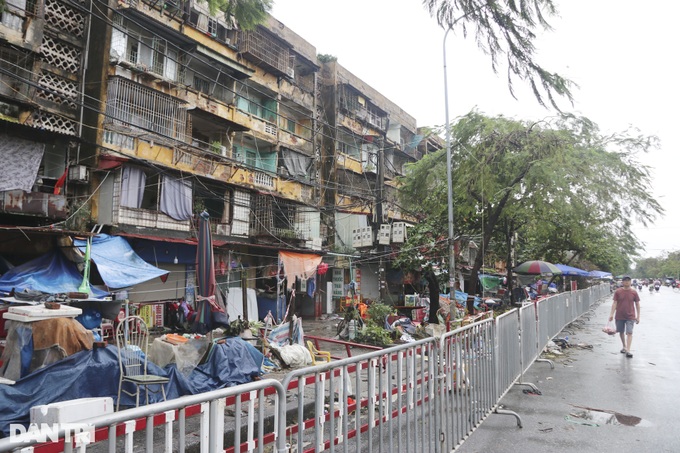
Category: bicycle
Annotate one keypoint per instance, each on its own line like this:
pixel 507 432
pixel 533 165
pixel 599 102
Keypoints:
pixel 345 324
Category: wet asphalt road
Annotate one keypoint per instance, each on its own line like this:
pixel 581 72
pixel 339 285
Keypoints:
pixel 645 386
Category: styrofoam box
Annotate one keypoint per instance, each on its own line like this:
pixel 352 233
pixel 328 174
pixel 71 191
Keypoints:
pixel 63 311
pixel 72 410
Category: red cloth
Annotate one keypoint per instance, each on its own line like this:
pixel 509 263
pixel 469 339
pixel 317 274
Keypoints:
pixel 60 182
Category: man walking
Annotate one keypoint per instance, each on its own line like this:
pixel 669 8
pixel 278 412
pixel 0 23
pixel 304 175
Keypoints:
pixel 626 307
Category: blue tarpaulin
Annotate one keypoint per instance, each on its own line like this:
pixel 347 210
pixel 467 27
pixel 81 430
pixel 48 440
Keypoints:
pixel 95 374
pixel 571 271
pixel 51 273
pixel 118 265
pixel 600 274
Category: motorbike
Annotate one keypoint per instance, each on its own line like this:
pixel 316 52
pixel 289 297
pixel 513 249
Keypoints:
pixel 656 288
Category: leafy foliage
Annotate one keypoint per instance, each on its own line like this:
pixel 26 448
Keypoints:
pixel 377 312
pixel 375 335
pixel 248 13
pixel 559 185
pixel 667 265
pixel 326 58
pixel 505 30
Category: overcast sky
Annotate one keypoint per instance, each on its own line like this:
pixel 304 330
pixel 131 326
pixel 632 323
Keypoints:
pixel 622 54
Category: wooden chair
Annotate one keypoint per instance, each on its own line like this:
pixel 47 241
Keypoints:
pixel 132 341
pixel 320 356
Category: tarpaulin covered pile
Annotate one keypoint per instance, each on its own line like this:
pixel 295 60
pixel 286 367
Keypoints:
pixel 95 374
pixel 51 273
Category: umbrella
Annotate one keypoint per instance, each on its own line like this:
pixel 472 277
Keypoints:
pixel 205 274
pixel 205 268
pixel 536 267
pixel 571 271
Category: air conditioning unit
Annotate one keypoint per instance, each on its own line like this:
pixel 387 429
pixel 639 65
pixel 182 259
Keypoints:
pixel 79 173
pixel 290 72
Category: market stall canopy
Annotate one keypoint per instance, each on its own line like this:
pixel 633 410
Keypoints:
pixel 600 274
pixel 51 273
pixel 118 265
pixel 537 267
pixel 301 265
pixel 572 271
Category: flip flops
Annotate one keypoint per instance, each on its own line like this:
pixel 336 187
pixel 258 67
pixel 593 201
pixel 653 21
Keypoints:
pixel 629 355
pixel 623 351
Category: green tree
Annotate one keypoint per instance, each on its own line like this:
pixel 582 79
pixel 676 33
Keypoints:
pixel 506 30
pixel 556 184
pixel 248 13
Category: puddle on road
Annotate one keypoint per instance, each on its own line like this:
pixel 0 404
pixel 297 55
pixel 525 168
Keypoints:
pixel 595 417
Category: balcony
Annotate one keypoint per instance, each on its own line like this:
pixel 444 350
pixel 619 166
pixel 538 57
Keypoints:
pixel 150 219
pixel 34 204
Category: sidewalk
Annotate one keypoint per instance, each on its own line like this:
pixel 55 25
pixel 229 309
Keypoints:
pixel 645 386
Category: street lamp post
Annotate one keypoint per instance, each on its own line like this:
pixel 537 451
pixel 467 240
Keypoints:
pixel 449 179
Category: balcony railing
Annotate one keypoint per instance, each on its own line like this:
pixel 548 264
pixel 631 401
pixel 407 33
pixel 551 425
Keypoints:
pixel 34 204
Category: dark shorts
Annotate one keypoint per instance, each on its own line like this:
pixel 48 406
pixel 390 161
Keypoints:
pixel 625 326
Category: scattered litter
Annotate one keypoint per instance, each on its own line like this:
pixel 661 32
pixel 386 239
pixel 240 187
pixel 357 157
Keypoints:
pixel 532 392
pixel 584 346
pixel 545 430
pixel 579 422
pixel 652 363
pixel 549 378
pixel 606 417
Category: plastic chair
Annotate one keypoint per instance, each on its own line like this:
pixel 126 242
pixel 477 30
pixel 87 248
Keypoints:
pixel 132 341
pixel 321 356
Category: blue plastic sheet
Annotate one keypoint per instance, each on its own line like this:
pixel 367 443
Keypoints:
pixel 95 374
pixel 119 265
pixel 51 273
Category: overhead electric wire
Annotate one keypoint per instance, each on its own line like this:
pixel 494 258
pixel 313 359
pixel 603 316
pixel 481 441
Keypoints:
pixel 357 190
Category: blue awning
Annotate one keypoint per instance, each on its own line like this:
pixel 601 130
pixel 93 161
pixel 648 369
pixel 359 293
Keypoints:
pixel 600 274
pixel 51 273
pixel 118 265
pixel 571 271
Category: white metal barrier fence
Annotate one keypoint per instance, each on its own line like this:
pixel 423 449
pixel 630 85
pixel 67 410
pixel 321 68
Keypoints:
pixel 134 429
pixel 426 396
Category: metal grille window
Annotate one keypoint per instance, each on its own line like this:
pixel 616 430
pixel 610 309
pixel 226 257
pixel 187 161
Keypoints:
pixel 240 224
pixel 12 14
pixel 18 63
pixel 155 54
pixel 201 85
pixel 133 105
pixel 266 49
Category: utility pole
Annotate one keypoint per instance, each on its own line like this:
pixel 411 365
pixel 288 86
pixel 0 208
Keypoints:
pixel 449 180
pixel 382 284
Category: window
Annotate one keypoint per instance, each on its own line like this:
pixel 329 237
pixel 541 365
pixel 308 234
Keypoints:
pixel 212 27
pixel 130 104
pixel 261 160
pixel 290 125
pixel 150 197
pixel 201 85
pixel 261 107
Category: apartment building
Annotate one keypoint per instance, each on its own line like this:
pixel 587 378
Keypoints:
pixel 367 142
pixel 144 113
pixel 43 49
